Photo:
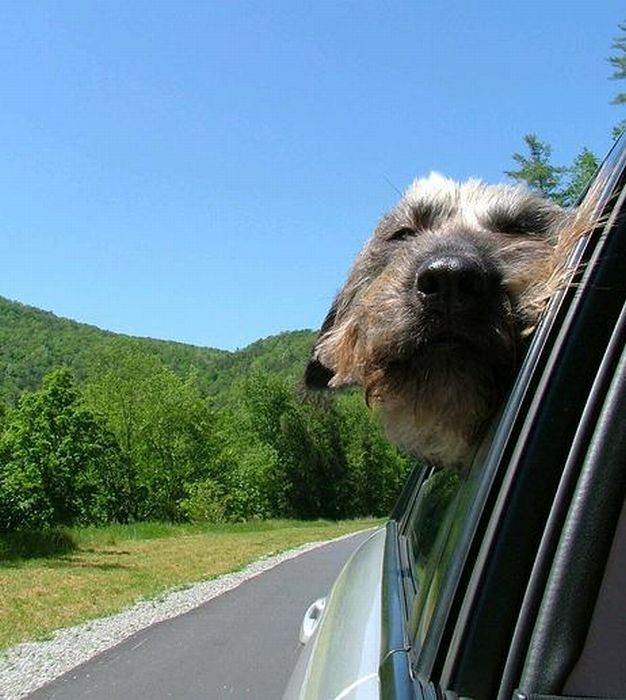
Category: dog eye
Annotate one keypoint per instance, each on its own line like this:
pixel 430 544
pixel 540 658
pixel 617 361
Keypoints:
pixel 401 234
pixel 511 229
pixel 523 224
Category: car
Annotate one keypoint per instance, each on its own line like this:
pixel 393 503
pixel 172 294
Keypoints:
pixel 506 580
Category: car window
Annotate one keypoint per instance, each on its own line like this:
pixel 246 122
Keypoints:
pixel 438 531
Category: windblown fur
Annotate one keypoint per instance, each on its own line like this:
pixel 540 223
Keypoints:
pixel 432 319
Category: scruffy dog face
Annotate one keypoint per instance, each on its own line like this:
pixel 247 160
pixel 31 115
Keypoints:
pixel 432 318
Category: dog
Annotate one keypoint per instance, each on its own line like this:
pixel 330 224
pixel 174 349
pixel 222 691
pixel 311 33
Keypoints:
pixel 435 313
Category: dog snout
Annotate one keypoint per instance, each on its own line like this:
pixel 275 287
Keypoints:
pixel 453 281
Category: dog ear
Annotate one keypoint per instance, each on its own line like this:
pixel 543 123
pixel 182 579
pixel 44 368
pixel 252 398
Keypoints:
pixel 317 375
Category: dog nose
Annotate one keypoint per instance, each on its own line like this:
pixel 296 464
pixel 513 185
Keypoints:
pixel 452 281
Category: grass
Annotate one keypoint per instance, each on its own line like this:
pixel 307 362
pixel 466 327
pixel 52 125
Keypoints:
pixel 66 577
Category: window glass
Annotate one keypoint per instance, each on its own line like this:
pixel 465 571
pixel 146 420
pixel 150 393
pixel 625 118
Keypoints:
pixel 438 534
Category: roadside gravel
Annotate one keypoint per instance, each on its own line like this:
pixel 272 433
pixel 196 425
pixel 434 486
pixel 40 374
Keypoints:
pixel 30 665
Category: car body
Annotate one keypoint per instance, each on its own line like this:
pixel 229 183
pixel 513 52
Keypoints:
pixel 507 580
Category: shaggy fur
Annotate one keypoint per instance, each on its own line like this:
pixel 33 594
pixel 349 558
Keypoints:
pixel 432 319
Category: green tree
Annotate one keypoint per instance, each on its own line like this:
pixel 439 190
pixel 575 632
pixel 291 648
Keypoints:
pixel 252 461
pixel 536 169
pixel 284 454
pixel 320 483
pixel 618 129
pixel 332 458
pixel 162 423
pixel 578 176
pixel 378 470
pixel 564 184
pixel 618 61
pixel 58 463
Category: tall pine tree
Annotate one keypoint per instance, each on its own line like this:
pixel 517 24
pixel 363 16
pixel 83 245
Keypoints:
pixel 536 169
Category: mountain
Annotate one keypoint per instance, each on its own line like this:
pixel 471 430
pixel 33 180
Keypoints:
pixel 33 342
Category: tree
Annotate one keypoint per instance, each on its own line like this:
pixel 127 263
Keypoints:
pixel 536 169
pixel 619 63
pixel 564 184
pixel 377 469
pixel 287 453
pixel 58 464
pixel 253 460
pixel 163 425
pixel 618 129
pixel 578 176
pixel 318 473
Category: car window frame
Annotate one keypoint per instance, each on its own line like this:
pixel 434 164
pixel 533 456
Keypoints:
pixel 588 505
pixel 585 458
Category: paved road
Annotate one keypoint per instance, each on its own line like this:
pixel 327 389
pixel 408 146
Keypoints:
pixel 243 644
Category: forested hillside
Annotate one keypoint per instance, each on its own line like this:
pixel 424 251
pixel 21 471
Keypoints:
pixel 97 427
pixel 33 342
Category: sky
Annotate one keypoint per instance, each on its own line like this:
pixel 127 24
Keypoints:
pixel 206 171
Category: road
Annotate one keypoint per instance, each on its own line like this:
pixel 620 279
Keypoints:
pixel 241 645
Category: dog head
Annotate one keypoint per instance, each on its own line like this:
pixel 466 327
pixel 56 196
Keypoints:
pixel 432 319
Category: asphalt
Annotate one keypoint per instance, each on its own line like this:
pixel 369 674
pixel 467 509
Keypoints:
pixel 241 645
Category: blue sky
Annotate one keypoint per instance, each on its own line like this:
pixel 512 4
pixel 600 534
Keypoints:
pixel 206 171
